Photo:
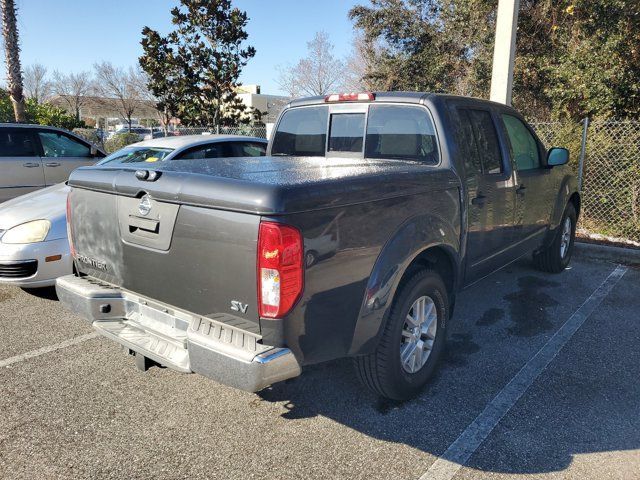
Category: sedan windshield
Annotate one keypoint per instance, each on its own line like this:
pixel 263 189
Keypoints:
pixel 137 155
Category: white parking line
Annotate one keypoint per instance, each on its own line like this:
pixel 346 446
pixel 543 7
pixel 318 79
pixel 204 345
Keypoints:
pixel 51 348
pixel 459 452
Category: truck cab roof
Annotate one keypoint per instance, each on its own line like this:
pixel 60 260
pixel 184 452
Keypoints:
pixel 401 97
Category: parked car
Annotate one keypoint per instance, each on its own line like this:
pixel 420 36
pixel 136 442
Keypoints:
pixel 200 266
pixel 34 247
pixel 36 156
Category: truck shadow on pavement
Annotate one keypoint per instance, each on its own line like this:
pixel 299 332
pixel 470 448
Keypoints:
pixel 545 443
pixel 563 415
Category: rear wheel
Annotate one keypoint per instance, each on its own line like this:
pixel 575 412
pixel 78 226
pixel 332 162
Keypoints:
pixel 556 257
pixel 412 341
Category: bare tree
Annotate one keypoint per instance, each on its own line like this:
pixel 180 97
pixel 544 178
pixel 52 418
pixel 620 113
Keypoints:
pixel 12 58
pixel 73 89
pixel 319 73
pixel 140 81
pixel 36 83
pixel 357 66
pixel 118 85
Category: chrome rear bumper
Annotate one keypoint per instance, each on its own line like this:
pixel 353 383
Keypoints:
pixel 177 339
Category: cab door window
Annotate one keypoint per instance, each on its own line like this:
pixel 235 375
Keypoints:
pixel 524 147
pixel 248 149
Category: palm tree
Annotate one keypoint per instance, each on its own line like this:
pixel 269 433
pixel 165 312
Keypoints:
pixel 12 55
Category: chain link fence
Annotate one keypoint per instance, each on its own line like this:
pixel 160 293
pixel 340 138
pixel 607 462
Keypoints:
pixel 247 130
pixel 609 174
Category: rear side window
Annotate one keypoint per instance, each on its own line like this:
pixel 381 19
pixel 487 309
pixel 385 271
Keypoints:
pixel 248 149
pixel 487 151
pixel 302 132
pixel 209 150
pixel 401 132
pixel 524 148
pixel 56 144
pixel 16 143
pixel 347 131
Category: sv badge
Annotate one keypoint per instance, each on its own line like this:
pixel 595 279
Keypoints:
pixel 237 306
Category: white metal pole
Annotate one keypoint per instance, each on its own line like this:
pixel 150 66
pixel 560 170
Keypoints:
pixel 504 51
pixel 583 152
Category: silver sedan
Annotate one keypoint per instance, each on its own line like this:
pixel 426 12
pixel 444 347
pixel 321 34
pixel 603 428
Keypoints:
pixel 34 249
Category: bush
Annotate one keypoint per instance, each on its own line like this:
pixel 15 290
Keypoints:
pixel 40 113
pixel 119 141
pixel 47 114
pixel 91 134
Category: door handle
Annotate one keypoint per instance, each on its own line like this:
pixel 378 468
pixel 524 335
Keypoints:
pixel 52 164
pixel 521 190
pixel 31 164
pixel 480 200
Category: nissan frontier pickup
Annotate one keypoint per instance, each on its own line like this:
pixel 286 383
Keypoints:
pixel 351 238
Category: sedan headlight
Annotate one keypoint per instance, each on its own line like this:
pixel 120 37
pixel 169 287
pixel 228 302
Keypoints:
pixel 29 232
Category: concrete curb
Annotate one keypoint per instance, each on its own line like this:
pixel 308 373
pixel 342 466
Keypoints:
pixel 607 252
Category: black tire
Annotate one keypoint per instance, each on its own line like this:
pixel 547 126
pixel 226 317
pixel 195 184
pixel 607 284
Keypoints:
pixel 551 258
pixel 382 371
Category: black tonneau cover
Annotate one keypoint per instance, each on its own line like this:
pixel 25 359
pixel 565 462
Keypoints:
pixel 268 185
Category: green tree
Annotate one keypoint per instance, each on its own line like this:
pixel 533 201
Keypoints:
pixel 573 57
pixel 40 113
pixel 161 75
pixel 423 45
pixel 119 141
pixel 578 58
pixel 201 60
pixel 48 114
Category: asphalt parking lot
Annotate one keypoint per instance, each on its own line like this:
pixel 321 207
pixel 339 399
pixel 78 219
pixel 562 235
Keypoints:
pixel 540 380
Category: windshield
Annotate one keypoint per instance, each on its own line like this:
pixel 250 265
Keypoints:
pixel 137 155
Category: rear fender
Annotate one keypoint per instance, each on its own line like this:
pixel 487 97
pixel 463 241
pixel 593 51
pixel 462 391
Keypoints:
pixel 411 239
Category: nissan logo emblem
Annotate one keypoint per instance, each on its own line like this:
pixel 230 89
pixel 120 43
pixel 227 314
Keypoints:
pixel 145 205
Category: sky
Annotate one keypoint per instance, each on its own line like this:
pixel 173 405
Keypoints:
pixel 71 35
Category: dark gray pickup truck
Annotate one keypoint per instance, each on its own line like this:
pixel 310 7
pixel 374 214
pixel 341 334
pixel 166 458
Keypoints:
pixel 350 238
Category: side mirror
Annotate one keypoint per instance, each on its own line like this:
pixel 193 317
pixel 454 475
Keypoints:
pixel 94 151
pixel 557 156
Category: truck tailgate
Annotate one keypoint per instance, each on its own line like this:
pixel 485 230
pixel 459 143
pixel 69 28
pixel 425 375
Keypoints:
pixel 194 258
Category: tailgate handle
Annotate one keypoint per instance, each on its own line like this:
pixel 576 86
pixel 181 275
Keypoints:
pixel 146 224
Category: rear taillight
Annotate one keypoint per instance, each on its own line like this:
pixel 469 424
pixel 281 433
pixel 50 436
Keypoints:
pixel 350 97
pixel 280 269
pixel 69 228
